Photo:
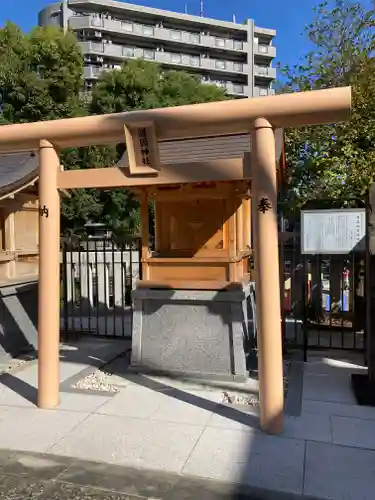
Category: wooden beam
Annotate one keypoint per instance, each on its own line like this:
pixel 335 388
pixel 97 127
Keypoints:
pixel 194 285
pixel 195 120
pixel 220 191
pixel 114 177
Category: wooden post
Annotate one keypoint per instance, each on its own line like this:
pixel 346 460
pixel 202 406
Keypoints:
pixel 49 278
pixel 10 238
pixel 145 235
pixel 267 277
pixel 232 237
pixel 247 223
pixel 239 228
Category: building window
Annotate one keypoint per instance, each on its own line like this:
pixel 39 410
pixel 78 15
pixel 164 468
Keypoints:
pixel 237 45
pixel 220 64
pixel 194 38
pixel 262 70
pixel 128 51
pixel 195 61
pixel 176 58
pixel 149 54
pixel 263 91
pixel 237 66
pixel 127 26
pixel 148 30
pixel 175 35
pixel 263 49
pixel 220 42
pixel 96 21
pixel 221 83
pixel 238 89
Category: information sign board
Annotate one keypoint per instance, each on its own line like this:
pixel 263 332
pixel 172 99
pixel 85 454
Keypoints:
pixel 334 231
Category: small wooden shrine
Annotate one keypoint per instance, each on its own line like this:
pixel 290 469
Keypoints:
pixel 202 237
pixel 19 217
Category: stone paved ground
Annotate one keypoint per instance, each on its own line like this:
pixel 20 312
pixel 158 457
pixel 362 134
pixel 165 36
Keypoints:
pixel 327 449
pixel 46 477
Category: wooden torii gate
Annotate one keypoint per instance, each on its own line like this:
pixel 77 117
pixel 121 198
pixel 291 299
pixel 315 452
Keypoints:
pixel 258 117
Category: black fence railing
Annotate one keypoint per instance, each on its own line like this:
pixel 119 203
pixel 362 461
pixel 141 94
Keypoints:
pixel 97 278
pixel 322 298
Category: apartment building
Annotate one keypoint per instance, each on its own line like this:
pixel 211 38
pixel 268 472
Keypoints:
pixel 235 56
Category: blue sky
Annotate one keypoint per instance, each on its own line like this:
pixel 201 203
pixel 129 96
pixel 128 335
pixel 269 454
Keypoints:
pixel 288 17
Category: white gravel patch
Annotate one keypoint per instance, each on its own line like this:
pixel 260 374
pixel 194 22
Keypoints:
pixel 12 365
pixel 235 399
pixel 98 381
pixel 104 380
pixel 253 400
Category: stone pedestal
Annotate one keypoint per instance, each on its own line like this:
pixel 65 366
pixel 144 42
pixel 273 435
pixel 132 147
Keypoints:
pixel 18 317
pixel 195 333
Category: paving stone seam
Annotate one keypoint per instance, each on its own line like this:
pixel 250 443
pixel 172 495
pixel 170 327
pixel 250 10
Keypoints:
pixel 57 409
pixel 304 469
pixel 330 428
pixel 69 432
pixel 339 445
pixel 193 449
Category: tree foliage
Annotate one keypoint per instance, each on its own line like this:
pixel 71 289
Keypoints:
pixel 40 74
pixel 335 161
pixel 144 85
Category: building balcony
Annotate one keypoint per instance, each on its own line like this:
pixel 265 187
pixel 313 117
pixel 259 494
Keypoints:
pixel 171 59
pixel 92 72
pixel 265 72
pixel 263 92
pixel 238 90
pixel 268 51
pixel 159 34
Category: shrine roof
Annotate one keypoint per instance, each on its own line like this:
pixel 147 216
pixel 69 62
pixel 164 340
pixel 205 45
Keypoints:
pixel 17 170
pixel 203 149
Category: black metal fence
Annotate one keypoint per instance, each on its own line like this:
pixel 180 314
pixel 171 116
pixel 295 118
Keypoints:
pixel 322 297
pixel 97 278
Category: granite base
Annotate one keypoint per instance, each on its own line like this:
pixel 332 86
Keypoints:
pixel 196 333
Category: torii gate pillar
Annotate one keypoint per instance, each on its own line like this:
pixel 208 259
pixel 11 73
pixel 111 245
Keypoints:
pixel 49 278
pixel 264 198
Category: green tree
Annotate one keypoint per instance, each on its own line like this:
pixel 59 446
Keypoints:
pixel 41 74
pixel 144 85
pixel 334 161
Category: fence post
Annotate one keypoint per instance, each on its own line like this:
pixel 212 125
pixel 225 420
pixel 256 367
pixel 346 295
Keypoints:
pixel 65 290
pixel 118 280
pixel 305 299
pixel 102 284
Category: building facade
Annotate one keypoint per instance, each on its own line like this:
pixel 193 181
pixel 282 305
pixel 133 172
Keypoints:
pixel 235 56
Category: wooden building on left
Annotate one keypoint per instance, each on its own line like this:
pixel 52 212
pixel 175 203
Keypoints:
pixel 19 217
